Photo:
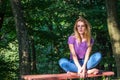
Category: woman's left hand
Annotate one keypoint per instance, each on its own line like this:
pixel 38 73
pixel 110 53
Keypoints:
pixel 84 72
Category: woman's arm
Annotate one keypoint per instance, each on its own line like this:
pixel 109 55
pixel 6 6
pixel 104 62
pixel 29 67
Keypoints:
pixel 75 59
pixel 83 69
pixel 87 55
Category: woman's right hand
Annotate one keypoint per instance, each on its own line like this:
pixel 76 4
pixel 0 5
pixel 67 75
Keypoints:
pixel 82 72
pixel 79 72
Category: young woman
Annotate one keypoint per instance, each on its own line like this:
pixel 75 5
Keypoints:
pixel 80 45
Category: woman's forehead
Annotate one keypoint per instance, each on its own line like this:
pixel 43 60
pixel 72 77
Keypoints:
pixel 80 23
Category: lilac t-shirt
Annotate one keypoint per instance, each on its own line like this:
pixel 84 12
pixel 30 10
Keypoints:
pixel 80 48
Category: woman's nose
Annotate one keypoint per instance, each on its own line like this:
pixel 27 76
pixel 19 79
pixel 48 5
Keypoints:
pixel 80 27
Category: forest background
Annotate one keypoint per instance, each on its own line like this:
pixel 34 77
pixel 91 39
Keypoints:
pixel 48 25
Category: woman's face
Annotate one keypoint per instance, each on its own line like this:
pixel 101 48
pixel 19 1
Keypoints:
pixel 81 27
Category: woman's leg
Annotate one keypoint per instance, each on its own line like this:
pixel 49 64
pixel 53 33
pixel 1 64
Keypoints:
pixel 94 60
pixel 67 65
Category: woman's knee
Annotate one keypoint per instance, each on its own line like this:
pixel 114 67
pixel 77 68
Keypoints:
pixel 98 55
pixel 62 61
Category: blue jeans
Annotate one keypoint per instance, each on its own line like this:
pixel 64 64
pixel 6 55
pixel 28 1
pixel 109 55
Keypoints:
pixel 69 65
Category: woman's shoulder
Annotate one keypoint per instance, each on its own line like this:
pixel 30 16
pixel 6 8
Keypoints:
pixel 71 37
pixel 92 40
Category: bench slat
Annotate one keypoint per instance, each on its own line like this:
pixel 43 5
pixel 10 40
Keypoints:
pixel 63 76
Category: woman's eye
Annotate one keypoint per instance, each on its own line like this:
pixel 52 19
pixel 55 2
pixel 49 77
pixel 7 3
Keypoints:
pixel 81 26
pixel 78 26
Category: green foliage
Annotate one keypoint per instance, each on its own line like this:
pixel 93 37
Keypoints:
pixel 50 22
pixel 9 62
pixel 7 69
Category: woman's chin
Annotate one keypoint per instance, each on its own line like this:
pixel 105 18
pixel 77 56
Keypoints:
pixel 81 33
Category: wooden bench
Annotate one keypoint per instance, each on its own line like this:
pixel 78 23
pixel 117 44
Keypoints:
pixel 64 76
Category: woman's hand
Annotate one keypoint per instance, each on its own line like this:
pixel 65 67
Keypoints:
pixel 79 72
pixel 82 72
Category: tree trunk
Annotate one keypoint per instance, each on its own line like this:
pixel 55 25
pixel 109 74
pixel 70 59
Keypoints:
pixel 114 31
pixel 33 67
pixel 2 13
pixel 24 57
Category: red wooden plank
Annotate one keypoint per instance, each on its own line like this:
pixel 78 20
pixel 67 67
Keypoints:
pixel 63 76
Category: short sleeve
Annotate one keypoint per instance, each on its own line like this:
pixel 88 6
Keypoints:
pixel 92 41
pixel 71 40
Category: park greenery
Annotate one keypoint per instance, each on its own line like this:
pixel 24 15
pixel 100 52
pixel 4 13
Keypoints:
pixel 48 24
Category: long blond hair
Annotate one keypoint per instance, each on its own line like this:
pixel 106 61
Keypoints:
pixel 87 34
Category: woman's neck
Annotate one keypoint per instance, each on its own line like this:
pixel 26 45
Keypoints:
pixel 82 37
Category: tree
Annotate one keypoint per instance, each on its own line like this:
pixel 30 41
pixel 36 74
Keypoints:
pixel 114 31
pixel 24 58
pixel 2 12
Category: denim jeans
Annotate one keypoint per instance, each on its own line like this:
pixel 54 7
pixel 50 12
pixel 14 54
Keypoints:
pixel 69 65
